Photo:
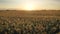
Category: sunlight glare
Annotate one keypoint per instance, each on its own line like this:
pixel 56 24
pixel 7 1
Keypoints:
pixel 29 7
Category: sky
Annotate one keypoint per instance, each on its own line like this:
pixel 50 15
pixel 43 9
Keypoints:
pixel 25 4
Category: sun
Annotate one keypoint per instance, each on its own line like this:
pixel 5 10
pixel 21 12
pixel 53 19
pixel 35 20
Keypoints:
pixel 29 7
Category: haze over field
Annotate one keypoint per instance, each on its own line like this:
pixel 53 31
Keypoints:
pixel 30 4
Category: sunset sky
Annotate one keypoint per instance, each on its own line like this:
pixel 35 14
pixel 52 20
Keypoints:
pixel 30 4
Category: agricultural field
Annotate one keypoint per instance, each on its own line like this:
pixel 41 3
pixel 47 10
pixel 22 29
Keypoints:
pixel 30 22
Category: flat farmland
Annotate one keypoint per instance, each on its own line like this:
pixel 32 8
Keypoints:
pixel 30 13
pixel 30 22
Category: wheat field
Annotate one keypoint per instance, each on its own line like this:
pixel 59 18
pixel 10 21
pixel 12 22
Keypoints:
pixel 30 22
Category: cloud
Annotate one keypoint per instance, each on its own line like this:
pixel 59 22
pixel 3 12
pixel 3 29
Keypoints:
pixel 7 1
